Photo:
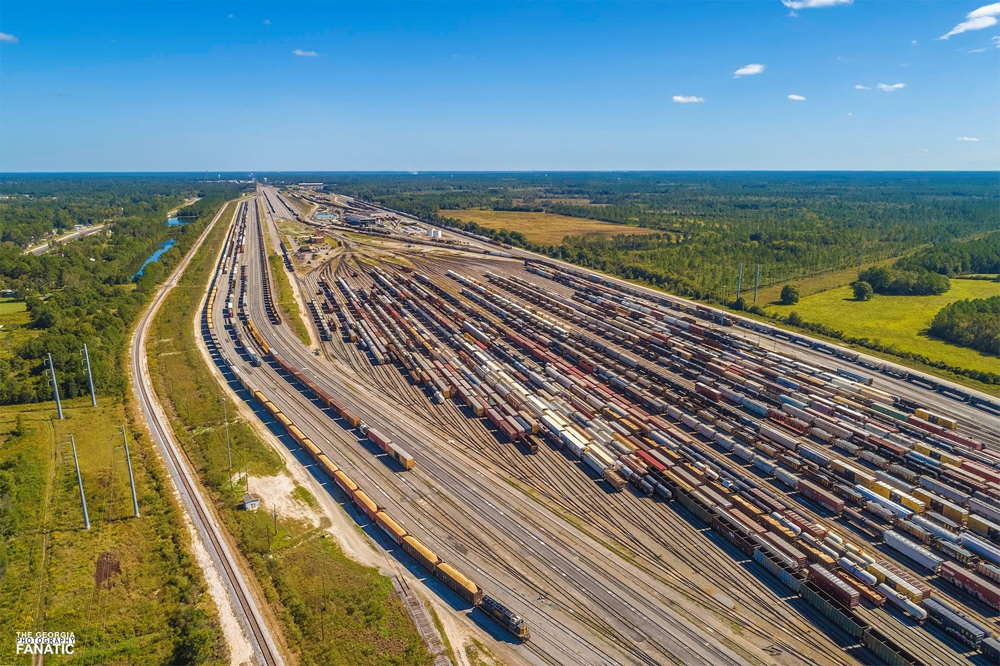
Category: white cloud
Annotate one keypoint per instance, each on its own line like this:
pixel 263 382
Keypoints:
pixel 977 19
pixel 797 98
pixel 923 150
pixel 230 16
pixel 7 39
pixel 996 38
pixel 305 54
pixel 978 51
pixel 967 138
pixel 861 87
pixel 267 21
pixel 913 41
pixel 749 70
pixel 885 87
pixel 985 10
pixel 813 4
pixel 687 99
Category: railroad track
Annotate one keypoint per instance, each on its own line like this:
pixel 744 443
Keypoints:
pixel 246 607
pixel 626 523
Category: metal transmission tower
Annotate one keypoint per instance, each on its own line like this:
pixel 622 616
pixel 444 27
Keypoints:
pixel 55 388
pixel 131 479
pixel 739 282
pixel 79 481
pixel 90 377
pixel 756 283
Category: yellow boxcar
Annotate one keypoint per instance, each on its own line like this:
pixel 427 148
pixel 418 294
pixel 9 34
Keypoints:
pixel 327 464
pixel 365 503
pixel 400 456
pixel 296 434
pixel 312 449
pixel 390 526
pixel 418 551
pixel 459 584
pixel 345 482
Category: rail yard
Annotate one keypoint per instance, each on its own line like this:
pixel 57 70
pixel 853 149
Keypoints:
pixel 599 473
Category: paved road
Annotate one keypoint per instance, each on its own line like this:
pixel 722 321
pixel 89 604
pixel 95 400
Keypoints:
pixel 187 486
pixel 42 249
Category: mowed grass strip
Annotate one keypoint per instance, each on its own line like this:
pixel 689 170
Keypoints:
pixel 897 320
pixel 332 610
pixel 543 227
pixel 146 603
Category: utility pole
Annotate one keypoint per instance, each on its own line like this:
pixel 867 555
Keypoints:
pixel 229 451
pixel 79 480
pixel 131 479
pixel 55 388
pixel 90 377
pixel 739 283
pixel 275 514
pixel 756 283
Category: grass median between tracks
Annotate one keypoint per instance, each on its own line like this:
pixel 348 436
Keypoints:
pixel 332 610
pixel 286 298
pixel 128 587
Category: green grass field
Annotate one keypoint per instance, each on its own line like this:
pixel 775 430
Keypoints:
pixel 897 320
pixel 364 621
pixel 543 227
pixel 14 319
pixel 130 611
pixel 286 298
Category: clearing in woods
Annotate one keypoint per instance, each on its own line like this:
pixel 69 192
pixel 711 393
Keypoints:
pixel 897 320
pixel 543 227
pixel 126 587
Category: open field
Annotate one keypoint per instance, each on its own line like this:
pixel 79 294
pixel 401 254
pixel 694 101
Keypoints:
pixel 897 320
pixel 300 573
pixel 132 609
pixel 14 321
pixel 811 285
pixel 9 306
pixel 543 227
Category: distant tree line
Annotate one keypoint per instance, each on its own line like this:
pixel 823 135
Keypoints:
pixel 970 323
pixel 981 255
pixel 794 225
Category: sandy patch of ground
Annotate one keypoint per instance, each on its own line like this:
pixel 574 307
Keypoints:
pixel 275 493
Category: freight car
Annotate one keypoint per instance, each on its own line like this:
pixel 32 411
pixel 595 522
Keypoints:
pixel 955 623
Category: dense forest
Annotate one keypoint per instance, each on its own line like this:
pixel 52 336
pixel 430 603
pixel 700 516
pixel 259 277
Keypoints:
pixel 33 206
pixel 971 323
pixel 793 224
pixel 83 292
pixel 977 256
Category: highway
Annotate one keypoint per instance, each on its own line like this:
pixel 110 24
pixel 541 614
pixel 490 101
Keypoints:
pixel 86 231
pixel 594 574
pixel 186 484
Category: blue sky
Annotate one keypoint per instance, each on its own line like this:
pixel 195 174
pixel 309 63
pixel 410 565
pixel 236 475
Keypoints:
pixel 139 86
